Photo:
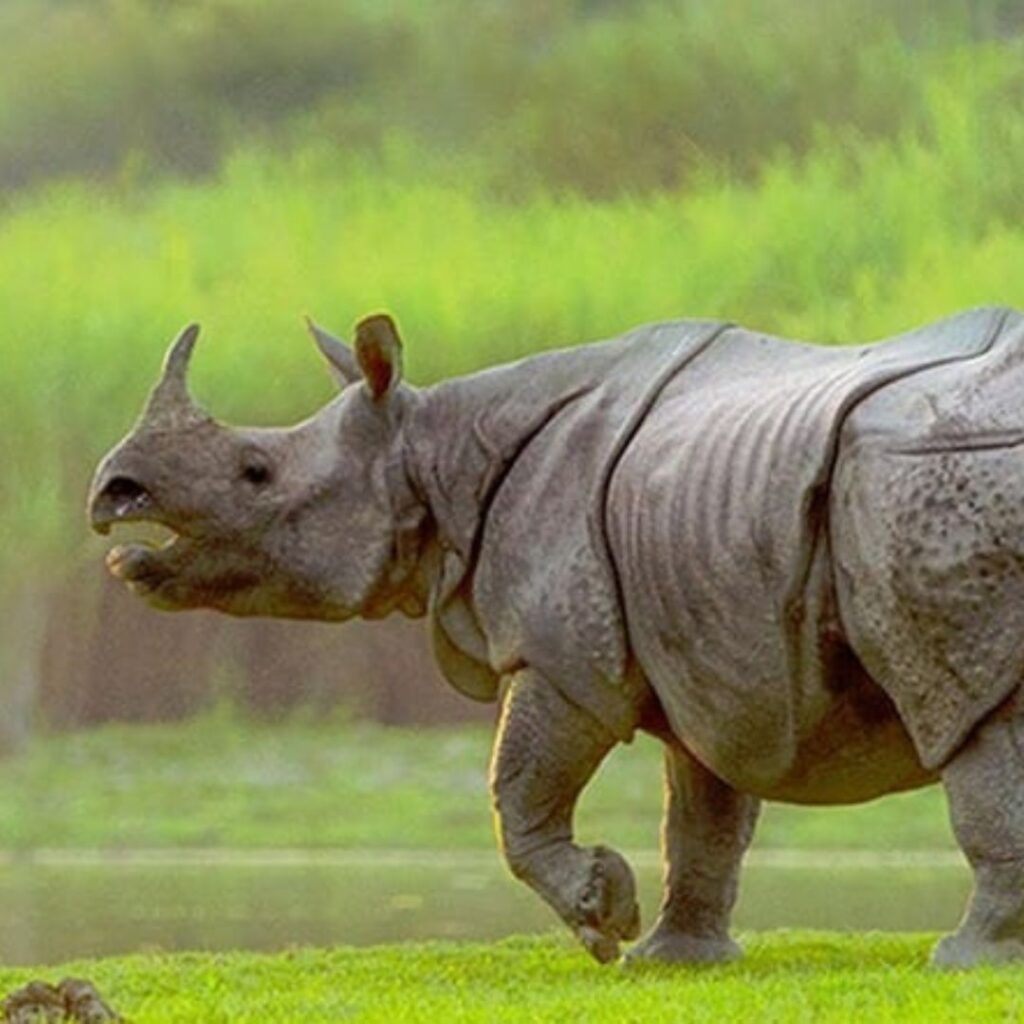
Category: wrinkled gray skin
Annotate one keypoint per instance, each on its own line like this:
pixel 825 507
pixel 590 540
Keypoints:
pixel 801 568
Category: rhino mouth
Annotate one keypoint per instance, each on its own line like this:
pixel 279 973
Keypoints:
pixel 147 560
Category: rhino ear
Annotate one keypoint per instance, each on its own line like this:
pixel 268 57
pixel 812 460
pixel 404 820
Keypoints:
pixel 379 354
pixel 340 360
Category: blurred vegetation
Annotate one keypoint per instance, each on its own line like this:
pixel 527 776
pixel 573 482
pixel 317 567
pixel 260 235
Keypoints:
pixel 595 96
pixel 503 177
pixel 324 783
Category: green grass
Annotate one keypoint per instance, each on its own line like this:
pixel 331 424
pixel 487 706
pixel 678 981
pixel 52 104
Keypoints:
pixel 787 976
pixel 357 786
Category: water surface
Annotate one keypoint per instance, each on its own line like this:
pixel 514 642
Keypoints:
pixel 53 912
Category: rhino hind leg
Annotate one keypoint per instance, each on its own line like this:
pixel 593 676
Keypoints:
pixel 985 786
pixel 546 751
pixel 707 828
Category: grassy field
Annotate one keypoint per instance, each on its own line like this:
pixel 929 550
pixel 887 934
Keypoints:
pixel 350 786
pixel 216 783
pixel 793 977
pixel 569 170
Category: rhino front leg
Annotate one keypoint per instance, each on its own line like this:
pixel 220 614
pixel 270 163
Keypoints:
pixel 545 753
pixel 985 787
pixel 707 828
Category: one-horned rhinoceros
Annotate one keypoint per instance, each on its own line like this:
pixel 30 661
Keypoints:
pixel 800 567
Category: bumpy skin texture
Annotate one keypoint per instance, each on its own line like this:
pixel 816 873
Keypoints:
pixel 802 568
pixel 546 751
pixel 707 828
pixel 985 784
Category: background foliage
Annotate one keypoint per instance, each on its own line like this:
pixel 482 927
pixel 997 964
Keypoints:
pixel 504 177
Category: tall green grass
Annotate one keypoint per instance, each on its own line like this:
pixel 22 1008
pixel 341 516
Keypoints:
pixel 857 240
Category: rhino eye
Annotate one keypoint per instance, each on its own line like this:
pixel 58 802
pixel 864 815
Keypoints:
pixel 256 473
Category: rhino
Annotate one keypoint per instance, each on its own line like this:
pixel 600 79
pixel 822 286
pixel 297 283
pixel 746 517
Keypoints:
pixel 800 567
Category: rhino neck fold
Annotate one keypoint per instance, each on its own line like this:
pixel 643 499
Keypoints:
pixel 460 443
pixel 465 441
pixel 467 433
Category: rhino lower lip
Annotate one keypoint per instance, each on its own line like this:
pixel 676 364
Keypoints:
pixel 143 566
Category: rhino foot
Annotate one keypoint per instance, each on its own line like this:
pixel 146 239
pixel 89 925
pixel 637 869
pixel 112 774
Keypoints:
pixel 959 951
pixel 606 909
pixel 668 944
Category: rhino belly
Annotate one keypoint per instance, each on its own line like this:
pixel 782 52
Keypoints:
pixel 856 749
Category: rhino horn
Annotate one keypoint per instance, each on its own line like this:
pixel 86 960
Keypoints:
pixel 170 399
pixel 340 360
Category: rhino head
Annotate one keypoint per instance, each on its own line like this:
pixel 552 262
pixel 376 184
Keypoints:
pixel 312 521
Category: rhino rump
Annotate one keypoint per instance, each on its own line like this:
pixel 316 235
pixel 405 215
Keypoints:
pixel 928 542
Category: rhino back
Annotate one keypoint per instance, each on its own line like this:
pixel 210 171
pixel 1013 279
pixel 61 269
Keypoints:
pixel 718 516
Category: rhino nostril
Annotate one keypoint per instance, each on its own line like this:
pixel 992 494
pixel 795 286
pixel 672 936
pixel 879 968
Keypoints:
pixel 120 498
pixel 124 496
pixel 123 489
